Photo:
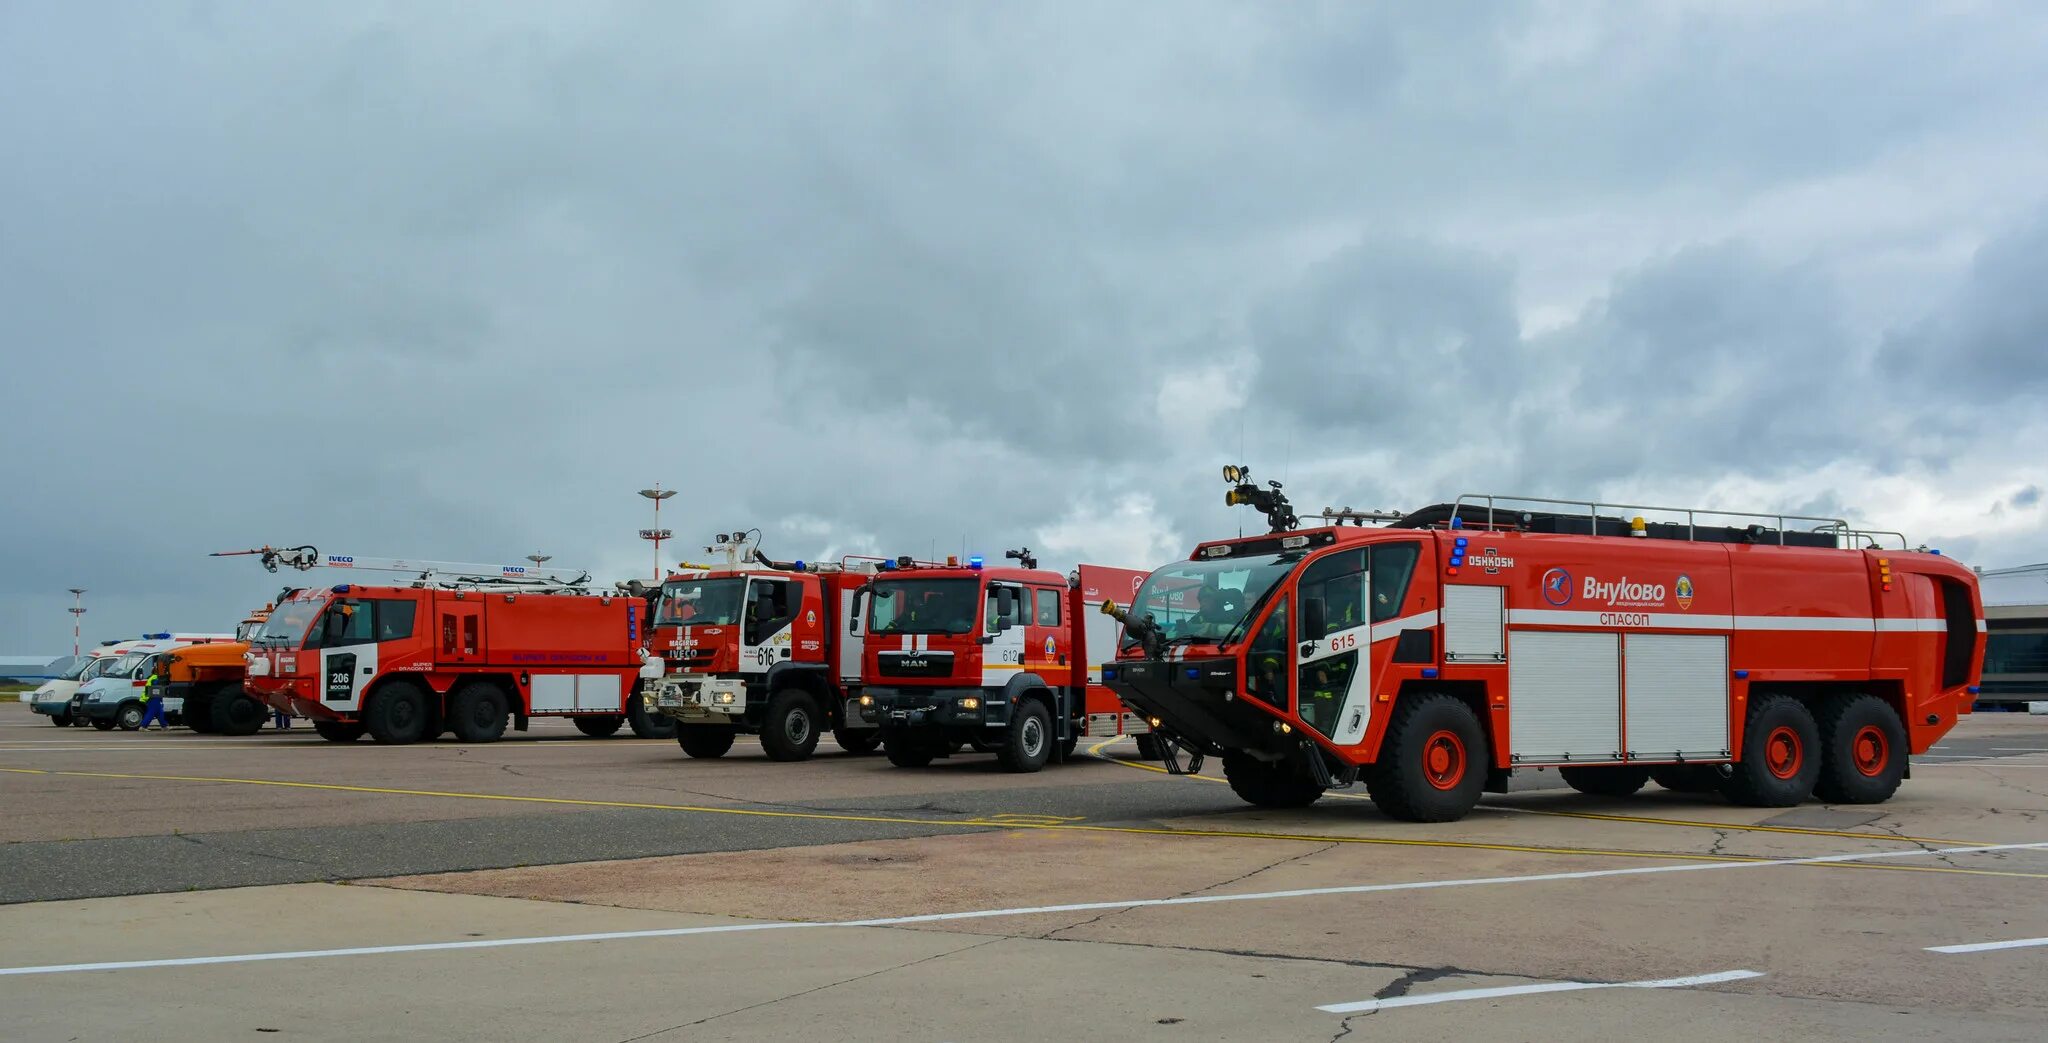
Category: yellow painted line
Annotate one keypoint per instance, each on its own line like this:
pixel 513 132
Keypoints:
pixel 996 822
pixel 1095 751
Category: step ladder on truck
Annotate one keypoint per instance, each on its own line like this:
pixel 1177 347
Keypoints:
pixel 1433 656
pixel 461 648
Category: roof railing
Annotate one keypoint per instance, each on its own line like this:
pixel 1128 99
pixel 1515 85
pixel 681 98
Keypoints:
pixel 1846 535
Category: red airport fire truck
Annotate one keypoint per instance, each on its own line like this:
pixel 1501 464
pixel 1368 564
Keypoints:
pixel 760 646
pixel 999 658
pixel 1435 655
pixel 463 648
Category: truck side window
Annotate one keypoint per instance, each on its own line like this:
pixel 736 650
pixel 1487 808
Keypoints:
pixel 1393 564
pixel 1338 583
pixel 394 619
pixel 347 623
pixel 1048 607
pixel 767 609
pixel 1267 659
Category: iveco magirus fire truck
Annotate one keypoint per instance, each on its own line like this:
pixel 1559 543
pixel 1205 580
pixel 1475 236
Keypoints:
pixel 1433 656
pixel 464 648
pixel 761 646
pixel 995 657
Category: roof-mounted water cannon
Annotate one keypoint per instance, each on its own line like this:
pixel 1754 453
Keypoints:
pixel 1269 501
pixel 1023 557
pixel 1146 630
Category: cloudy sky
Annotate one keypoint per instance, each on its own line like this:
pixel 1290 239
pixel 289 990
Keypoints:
pixel 452 281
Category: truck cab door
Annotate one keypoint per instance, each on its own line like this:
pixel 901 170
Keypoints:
pixel 1003 619
pixel 765 630
pixel 347 641
pixel 852 637
pixel 1333 645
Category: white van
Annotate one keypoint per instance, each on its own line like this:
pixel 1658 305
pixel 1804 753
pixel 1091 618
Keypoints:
pixel 115 694
pixel 54 696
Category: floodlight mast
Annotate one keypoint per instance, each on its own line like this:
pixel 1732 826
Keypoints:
pixel 450 573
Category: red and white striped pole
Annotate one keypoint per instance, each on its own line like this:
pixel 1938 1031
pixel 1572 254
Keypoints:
pixel 77 612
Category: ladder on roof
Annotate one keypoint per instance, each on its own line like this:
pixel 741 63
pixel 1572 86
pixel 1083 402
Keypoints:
pixel 425 573
pixel 1845 535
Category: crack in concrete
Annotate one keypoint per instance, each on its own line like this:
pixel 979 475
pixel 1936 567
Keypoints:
pixel 805 992
pixel 217 846
pixel 1098 917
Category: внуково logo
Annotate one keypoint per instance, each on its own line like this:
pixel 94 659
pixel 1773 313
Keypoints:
pixel 1557 586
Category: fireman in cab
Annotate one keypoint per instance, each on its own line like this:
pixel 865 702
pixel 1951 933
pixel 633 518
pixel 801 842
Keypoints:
pixel 1214 613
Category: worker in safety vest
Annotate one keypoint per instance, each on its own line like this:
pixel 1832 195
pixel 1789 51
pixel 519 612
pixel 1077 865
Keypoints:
pixel 153 706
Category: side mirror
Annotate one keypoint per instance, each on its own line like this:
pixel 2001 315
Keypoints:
pixel 853 610
pixel 1311 619
pixel 1004 623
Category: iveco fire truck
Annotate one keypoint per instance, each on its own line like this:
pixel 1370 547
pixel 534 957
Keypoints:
pixel 760 646
pixel 1432 657
pixel 995 657
pixel 463 647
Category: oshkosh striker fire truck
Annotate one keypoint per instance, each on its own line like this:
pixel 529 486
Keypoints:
pixel 995 657
pixel 1433 656
pixel 464 648
pixel 760 646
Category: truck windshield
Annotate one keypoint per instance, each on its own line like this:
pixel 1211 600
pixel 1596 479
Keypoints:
pixel 701 602
pixel 286 627
pixel 1209 600
pixel 923 606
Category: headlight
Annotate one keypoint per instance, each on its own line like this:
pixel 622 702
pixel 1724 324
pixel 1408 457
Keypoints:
pixel 867 700
pixel 970 703
pixel 723 698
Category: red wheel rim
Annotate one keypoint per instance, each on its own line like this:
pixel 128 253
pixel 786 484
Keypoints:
pixel 1870 751
pixel 1783 752
pixel 1443 760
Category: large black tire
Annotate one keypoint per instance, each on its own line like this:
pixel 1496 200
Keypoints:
pixel 1151 748
pixel 338 731
pixel 198 712
pixel 858 741
pixel 105 724
pixel 398 714
pixel 61 720
pixel 1432 763
pixel 236 713
pixel 479 712
pixel 599 725
pixel 1862 751
pixel 1687 778
pixel 1027 743
pixel 908 750
pixel 645 723
pixel 790 731
pixel 1780 755
pixel 704 740
pixel 1605 781
pixel 129 717
pixel 1269 784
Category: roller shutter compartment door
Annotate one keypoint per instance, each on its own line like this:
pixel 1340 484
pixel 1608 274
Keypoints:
pixel 1677 696
pixel 1564 696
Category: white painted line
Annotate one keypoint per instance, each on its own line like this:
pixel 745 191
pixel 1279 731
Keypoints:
pixel 981 914
pixel 2019 749
pixel 1366 1006
pixel 2020 943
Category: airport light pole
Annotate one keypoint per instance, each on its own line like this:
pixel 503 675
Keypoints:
pixel 656 534
pixel 77 611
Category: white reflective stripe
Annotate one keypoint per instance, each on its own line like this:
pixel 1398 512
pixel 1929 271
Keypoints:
pixel 1981 628
pixel 906 643
pixel 1911 625
pixel 1393 627
pixel 924 642
pixel 1699 621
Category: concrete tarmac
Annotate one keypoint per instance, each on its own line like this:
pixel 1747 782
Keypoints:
pixel 842 897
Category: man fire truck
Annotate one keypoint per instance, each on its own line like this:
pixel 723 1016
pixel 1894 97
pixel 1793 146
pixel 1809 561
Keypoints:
pixel 996 657
pixel 464 646
pixel 761 646
pixel 1434 656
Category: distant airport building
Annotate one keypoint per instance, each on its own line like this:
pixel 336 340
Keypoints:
pixel 2016 647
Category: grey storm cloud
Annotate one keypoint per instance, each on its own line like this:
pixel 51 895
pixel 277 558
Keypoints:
pixel 418 281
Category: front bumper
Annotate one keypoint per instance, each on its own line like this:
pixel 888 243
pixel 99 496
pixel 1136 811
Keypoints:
pixel 697 697
pixel 933 708
pixel 52 707
pixel 1196 700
